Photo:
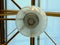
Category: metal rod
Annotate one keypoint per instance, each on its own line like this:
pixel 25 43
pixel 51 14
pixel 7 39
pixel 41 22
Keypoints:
pixel 10 19
pixel 50 38
pixel 7 19
pixel 8 14
pixel 11 32
pixel 56 14
pixel 16 4
pixel 48 14
pixel 32 2
pixel 32 40
pixel 9 10
pixel 11 37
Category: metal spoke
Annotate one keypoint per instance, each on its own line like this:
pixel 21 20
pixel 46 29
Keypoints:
pixel 14 30
pixel 16 4
pixel 11 32
pixel 50 38
pixel 11 38
pixel 14 35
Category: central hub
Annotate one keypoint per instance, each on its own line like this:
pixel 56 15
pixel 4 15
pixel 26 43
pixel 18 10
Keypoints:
pixel 31 20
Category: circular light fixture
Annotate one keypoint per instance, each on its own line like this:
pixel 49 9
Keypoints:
pixel 31 21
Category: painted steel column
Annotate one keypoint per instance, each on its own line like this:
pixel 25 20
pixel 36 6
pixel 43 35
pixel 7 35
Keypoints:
pixel 1 23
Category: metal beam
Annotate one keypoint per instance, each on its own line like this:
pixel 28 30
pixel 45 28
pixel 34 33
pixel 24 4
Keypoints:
pixel 14 12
